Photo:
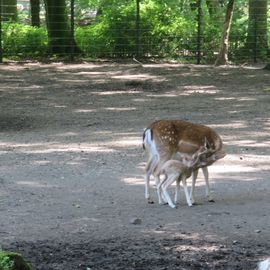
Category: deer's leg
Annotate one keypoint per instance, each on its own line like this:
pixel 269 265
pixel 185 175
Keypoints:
pixel 192 191
pixel 177 190
pixel 171 178
pixel 161 198
pixel 157 165
pixel 159 193
pixel 184 182
pixel 147 180
pixel 151 164
pixel 207 186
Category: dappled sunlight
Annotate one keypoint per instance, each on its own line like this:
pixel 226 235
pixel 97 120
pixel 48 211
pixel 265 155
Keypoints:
pixel 85 110
pixel 162 95
pixel 67 134
pixel 115 92
pixel 75 148
pixel 133 180
pixel 138 77
pixel 200 89
pixel 187 91
pixel 47 148
pixel 141 100
pixel 41 162
pixel 224 98
pixel 125 142
pixel 200 248
pixel 236 168
pixel 118 109
pixel 187 241
pixel 34 184
pixel 236 124
pixel 238 164
pixel 74 81
pixel 91 73
pixel 56 105
pixel 63 67
pixel 236 98
pixel 249 143
pixel 31 88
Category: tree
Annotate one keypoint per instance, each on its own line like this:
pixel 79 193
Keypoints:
pixel 35 9
pixel 257 28
pixel 9 10
pixel 222 58
pixel 61 41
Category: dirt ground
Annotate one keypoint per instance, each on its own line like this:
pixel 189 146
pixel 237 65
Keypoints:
pixel 71 166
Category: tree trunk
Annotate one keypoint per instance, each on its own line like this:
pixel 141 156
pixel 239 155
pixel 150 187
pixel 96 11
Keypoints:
pixel 222 58
pixel 35 9
pixel 61 41
pixel 256 42
pixel 9 10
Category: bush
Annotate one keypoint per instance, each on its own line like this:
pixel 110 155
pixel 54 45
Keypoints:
pixel 95 40
pixel 13 261
pixel 24 40
pixel 113 34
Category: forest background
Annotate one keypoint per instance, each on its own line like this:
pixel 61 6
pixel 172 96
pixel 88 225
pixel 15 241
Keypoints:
pixel 186 31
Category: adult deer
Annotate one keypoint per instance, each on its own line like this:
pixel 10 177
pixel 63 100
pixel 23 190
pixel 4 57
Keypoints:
pixel 175 139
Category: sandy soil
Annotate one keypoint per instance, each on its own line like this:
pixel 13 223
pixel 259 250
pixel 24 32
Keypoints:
pixel 71 166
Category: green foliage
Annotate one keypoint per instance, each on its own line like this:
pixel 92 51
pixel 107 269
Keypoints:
pixel 24 40
pixel 93 40
pixel 13 261
pixel 5 262
pixel 162 32
pixel 168 28
pixel 112 34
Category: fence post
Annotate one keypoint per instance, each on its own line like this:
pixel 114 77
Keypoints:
pixel 138 31
pixel 255 42
pixel 199 30
pixel 72 30
pixel 1 48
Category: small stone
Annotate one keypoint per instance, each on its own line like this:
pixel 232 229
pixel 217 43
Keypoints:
pixel 135 221
pixel 257 231
pixel 76 205
pixel 235 242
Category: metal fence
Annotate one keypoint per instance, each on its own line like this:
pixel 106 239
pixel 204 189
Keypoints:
pixel 133 40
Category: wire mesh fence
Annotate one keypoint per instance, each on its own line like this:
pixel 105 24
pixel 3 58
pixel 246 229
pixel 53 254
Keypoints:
pixel 186 31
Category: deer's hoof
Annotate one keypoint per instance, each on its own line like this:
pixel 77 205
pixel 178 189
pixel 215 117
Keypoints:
pixel 149 201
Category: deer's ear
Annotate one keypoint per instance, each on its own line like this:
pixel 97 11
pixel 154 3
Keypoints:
pixel 206 143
